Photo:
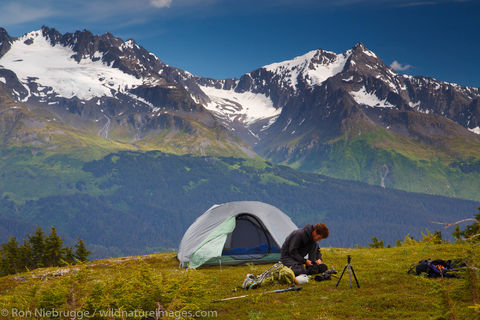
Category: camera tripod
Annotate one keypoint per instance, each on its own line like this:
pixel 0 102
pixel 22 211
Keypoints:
pixel 350 271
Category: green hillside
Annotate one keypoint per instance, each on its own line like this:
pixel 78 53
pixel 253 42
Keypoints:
pixel 154 282
pixel 446 162
pixel 140 202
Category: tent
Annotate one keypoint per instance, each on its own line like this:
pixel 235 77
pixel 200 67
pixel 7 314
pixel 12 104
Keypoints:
pixel 235 233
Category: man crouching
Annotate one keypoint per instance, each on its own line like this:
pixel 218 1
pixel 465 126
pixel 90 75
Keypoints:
pixel 300 243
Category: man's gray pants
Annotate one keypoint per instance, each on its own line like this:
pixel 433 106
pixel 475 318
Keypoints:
pixel 299 268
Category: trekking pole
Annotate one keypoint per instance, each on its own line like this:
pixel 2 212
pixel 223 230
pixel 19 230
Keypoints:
pixel 292 288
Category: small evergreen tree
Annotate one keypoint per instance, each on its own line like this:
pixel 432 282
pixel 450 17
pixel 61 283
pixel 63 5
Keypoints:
pixel 37 243
pixel 69 256
pixel 3 267
pixel 54 251
pixel 81 252
pixel 11 256
pixel 429 237
pixel 375 243
pixel 471 231
pixel 457 234
pixel 25 261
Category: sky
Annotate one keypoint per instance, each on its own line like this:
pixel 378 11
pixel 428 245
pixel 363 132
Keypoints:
pixel 225 38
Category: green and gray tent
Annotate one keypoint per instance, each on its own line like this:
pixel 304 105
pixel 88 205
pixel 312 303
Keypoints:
pixel 235 233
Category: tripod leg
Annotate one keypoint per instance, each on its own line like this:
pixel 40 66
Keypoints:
pixel 341 276
pixel 350 275
pixel 353 271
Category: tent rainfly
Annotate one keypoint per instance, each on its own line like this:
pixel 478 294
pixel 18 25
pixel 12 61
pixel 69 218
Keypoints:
pixel 235 233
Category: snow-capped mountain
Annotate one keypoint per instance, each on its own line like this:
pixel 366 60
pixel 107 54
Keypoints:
pixel 350 116
pixel 105 85
pixel 357 73
pixel 256 99
pixel 295 111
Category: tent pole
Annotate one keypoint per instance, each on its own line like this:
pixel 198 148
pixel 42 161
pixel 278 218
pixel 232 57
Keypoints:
pixel 220 262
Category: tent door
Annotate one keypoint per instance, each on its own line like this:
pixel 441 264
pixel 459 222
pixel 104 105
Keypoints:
pixel 249 239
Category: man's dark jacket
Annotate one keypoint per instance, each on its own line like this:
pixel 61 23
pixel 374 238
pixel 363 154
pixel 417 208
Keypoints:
pixel 297 245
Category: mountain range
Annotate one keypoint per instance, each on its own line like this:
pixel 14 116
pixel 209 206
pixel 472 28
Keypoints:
pixel 344 115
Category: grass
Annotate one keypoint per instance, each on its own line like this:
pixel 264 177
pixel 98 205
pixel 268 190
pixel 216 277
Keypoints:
pixel 155 282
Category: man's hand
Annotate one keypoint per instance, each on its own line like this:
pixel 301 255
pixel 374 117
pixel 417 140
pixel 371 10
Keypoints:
pixel 318 261
pixel 308 263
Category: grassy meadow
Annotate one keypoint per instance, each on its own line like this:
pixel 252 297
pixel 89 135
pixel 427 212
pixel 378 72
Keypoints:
pixel 155 282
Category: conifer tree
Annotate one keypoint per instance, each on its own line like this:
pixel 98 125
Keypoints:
pixel 10 256
pixel 69 255
pixel 3 267
pixel 54 252
pixel 457 234
pixel 81 252
pixel 376 243
pixel 471 231
pixel 37 243
pixel 25 261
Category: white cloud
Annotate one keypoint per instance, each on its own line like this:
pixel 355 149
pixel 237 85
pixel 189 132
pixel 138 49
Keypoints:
pixel 417 3
pixel 14 13
pixel 161 3
pixel 399 67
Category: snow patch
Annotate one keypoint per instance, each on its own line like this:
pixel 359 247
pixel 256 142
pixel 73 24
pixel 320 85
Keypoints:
pixel 288 123
pixel 370 99
pixel 270 122
pixel 475 130
pixel 369 53
pixel 54 67
pixel 148 103
pixel 129 44
pixel 245 106
pixel 194 98
pixel 414 105
pixel 313 73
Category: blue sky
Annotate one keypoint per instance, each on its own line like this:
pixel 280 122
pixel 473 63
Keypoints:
pixel 224 38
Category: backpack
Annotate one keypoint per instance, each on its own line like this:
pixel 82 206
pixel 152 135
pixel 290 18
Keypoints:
pixel 278 273
pixel 438 268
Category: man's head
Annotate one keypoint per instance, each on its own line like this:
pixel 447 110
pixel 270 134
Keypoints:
pixel 320 231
